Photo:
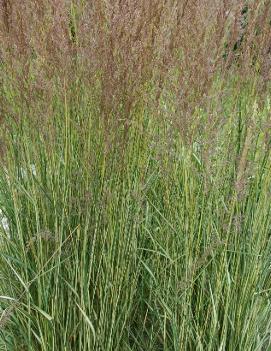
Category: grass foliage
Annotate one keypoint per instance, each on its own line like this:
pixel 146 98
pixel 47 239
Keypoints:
pixel 134 217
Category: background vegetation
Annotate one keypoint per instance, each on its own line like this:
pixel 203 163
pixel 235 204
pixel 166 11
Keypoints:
pixel 135 175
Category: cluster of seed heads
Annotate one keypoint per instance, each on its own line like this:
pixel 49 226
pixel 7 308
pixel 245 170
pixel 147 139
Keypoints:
pixel 7 314
pixel 44 235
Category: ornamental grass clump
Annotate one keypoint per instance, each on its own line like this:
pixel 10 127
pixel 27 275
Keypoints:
pixel 135 175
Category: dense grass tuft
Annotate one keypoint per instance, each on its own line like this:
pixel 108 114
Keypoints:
pixel 135 176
